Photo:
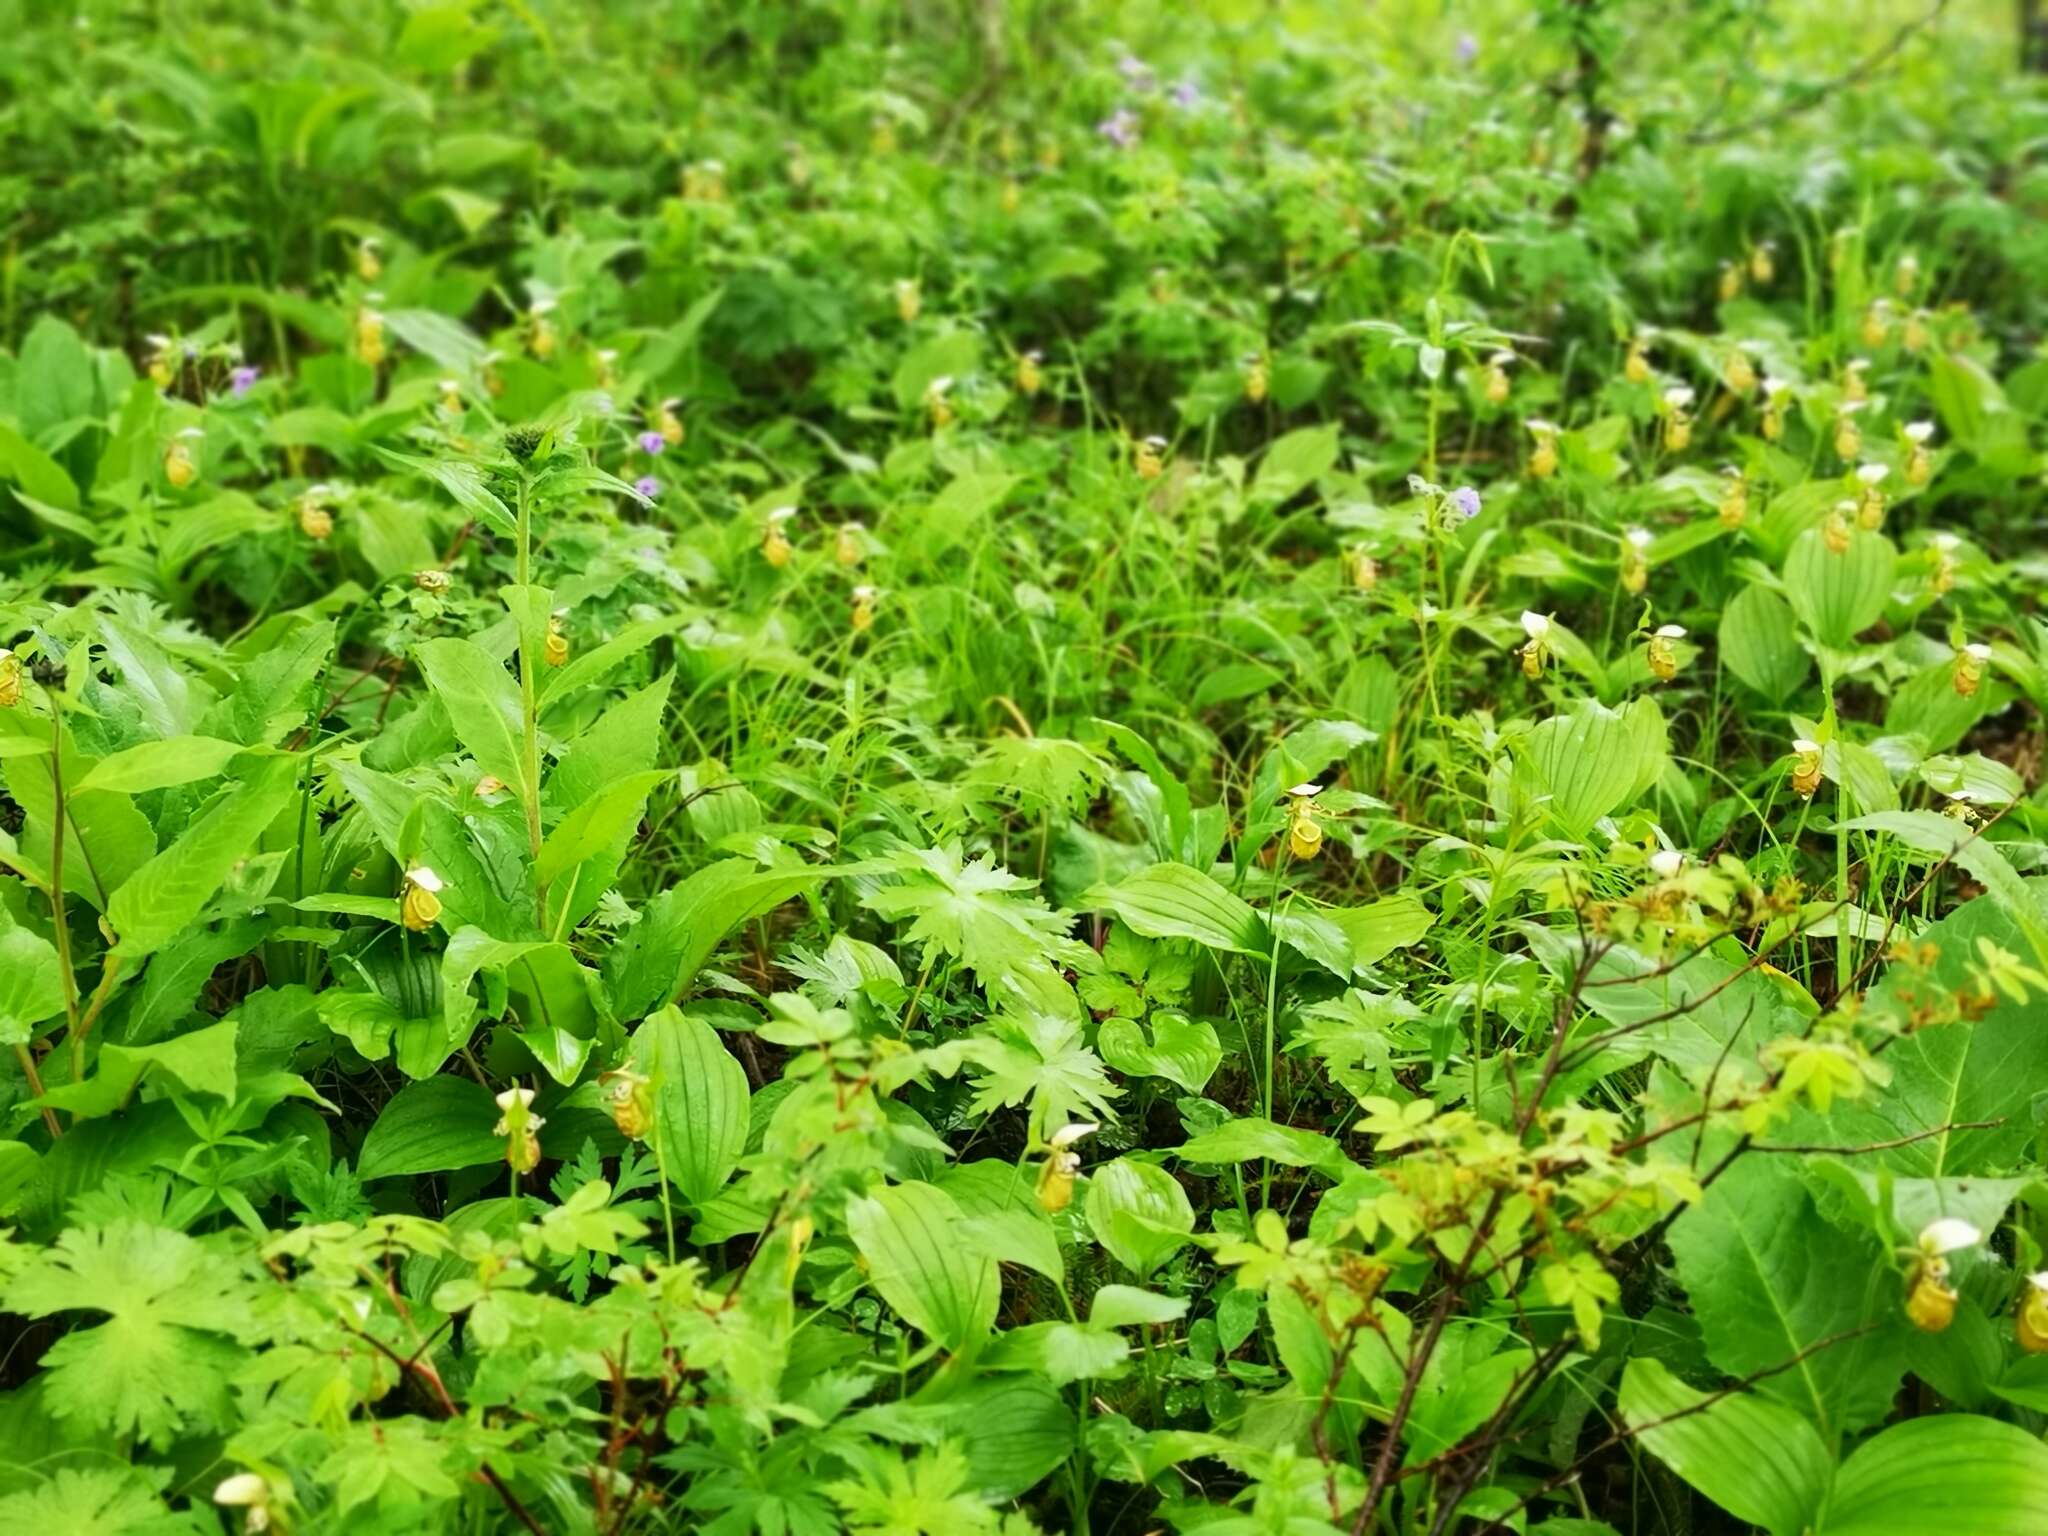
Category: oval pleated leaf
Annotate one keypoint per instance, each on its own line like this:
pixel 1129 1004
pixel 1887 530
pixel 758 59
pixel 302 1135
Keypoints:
pixel 1840 593
pixel 1947 1472
pixel 1759 643
pixel 1757 1459
pixel 1139 1212
pixel 431 1127
pixel 1173 901
pixel 912 1239
pixel 700 1101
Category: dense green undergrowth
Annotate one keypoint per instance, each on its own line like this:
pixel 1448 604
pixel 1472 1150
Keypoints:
pixel 892 767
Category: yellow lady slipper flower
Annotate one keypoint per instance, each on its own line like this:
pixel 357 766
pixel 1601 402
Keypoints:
pixel 629 1099
pixel 1062 1165
pixel 1762 263
pixel 1738 373
pixel 1855 380
pixel 775 545
pixel 555 649
pixel 863 616
pixel 1730 285
pixel 419 900
pixel 1870 505
pixel 1149 457
pixel 1677 418
pixel 849 545
pixel 10 679
pixel 1848 439
pixel 1772 423
pixel 1258 377
pixel 1806 768
pixel 521 1129
pixel 1636 367
pixel 909 300
pixel 1836 527
pixel 1969 673
pixel 369 264
pixel 370 349
pixel 1877 323
pixel 1919 462
pixel 1734 505
pixel 1930 1300
pixel 937 403
pixel 181 464
pixel 1495 384
pixel 1030 378
pixel 668 423
pixel 433 581
pixel 2030 1323
pixel 1537 647
pixel 1304 831
pixel 1635 560
pixel 1663 653
pixel 1543 457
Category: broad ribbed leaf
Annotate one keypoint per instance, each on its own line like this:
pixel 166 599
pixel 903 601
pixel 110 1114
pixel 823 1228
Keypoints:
pixel 1948 1472
pixel 1172 901
pixel 1139 1212
pixel 431 1127
pixel 1840 594
pixel 1759 643
pixel 1755 1458
pixel 913 1240
pixel 700 1101
pixel 1182 1050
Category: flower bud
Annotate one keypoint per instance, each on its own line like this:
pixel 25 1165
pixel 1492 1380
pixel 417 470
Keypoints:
pixel 1730 286
pixel 1149 457
pixel 629 1098
pixel 1542 458
pixel 1663 653
pixel 1635 560
pixel 1636 369
pixel 369 265
pixel 775 545
pixel 1534 651
pixel 1734 507
pixel 1495 385
pixel 1258 377
pixel 433 581
pixel 1969 673
pixel 847 546
pixel 555 649
pixel 181 467
pixel 1062 1164
pixel 369 337
pixel 863 616
pixel 937 403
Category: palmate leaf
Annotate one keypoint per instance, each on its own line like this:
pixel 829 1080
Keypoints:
pixel 971 912
pixel 1041 770
pixel 161 1362
pixel 97 1501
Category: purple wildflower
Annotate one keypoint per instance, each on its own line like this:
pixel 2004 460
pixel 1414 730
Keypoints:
pixel 648 486
pixel 1120 128
pixel 1466 500
pixel 243 379
pixel 1137 74
pixel 1186 94
pixel 651 443
pixel 1468 48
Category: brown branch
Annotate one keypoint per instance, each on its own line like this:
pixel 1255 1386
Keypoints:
pixel 1810 96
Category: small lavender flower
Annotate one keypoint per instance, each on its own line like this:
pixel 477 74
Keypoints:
pixel 1120 128
pixel 1466 500
pixel 243 379
pixel 1137 73
pixel 1468 48
pixel 1186 94
pixel 651 443
pixel 648 486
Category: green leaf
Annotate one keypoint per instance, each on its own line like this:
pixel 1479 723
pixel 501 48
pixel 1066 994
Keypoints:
pixel 31 984
pixel 202 1061
pixel 1946 1472
pixel 1172 901
pixel 1139 1212
pixel 911 1239
pixel 170 891
pixel 655 960
pixel 1294 461
pixel 1840 595
pixel 161 764
pixel 595 825
pixel 431 1127
pixel 1591 761
pixel 999 1202
pixel 1251 1139
pixel 1379 928
pixel 40 477
pixel 159 1365
pixel 554 996
pixel 1755 1458
pixel 1770 1279
pixel 1937 836
pixel 1759 643
pixel 482 702
pixel 1182 1050
pixel 700 1101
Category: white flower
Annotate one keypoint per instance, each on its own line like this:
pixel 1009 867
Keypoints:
pixel 1977 651
pixel 242 1488
pixel 194 432
pixel 1859 364
pixel 1947 1235
pixel 1306 791
pixel 1501 359
pixel 1535 625
pixel 1671 631
pixel 1802 746
pixel 1919 431
pixel 1946 542
pixel 939 385
pixel 1666 862
pixel 2039 1281
pixel 424 878
pixel 1775 386
pixel 863 594
pixel 1540 427
pixel 1872 474
pixel 781 515
pixel 523 1097
pixel 1155 442
pixel 1678 397
pixel 1851 407
pixel 1641 538
pixel 1067 1135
